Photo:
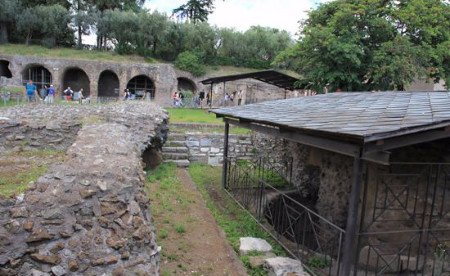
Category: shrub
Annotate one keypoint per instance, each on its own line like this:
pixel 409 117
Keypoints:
pixel 188 61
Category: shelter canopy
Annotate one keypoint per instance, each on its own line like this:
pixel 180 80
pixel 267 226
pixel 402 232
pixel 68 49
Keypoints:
pixel 349 123
pixel 269 76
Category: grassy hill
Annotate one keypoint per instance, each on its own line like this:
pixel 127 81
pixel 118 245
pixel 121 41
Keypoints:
pixel 94 55
pixel 70 53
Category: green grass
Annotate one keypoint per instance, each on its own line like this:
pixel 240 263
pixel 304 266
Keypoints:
pixel 68 53
pixel 15 175
pixel 192 115
pixel 17 183
pixel 231 218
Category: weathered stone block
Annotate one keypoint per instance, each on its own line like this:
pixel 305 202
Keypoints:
pixel 280 266
pixel 248 244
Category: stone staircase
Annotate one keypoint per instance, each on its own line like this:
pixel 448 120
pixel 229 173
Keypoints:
pixel 175 150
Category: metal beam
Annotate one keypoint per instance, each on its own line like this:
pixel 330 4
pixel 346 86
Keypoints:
pixel 225 155
pixel 408 139
pixel 313 141
pixel 352 218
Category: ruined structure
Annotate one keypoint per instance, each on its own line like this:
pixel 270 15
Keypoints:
pixel 107 80
pixel 88 215
pixel 350 183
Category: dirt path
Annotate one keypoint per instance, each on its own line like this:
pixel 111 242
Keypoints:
pixel 192 243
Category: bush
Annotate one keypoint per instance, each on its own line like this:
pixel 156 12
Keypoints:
pixel 188 61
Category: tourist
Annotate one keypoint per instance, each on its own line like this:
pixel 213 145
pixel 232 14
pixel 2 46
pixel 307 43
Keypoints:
pixel 239 97
pixel 68 93
pixel 30 90
pixel 80 96
pixel 43 92
pixel 127 94
pixel 180 98
pixel 226 99
pixel 50 94
pixel 175 98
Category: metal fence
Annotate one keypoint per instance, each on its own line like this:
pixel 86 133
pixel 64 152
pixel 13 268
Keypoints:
pixel 404 217
pixel 266 191
pixel 405 221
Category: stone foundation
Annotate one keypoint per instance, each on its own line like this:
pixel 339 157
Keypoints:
pixel 90 214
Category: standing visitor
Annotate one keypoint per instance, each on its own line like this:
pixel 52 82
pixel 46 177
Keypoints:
pixel 43 92
pixel 239 97
pixel 50 94
pixel 127 94
pixel 175 98
pixel 68 93
pixel 80 96
pixel 30 90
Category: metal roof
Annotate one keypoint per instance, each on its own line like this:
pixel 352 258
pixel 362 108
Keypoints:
pixel 269 76
pixel 357 118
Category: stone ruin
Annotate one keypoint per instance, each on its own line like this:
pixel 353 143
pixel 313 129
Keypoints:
pixel 90 214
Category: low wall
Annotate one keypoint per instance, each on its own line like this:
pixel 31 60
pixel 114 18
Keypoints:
pixel 88 215
pixel 209 148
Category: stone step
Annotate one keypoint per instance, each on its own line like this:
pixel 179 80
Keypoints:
pixel 176 136
pixel 180 163
pixel 175 143
pixel 175 156
pixel 172 149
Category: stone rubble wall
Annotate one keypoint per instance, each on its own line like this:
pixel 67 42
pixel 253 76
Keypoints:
pixel 88 215
pixel 209 148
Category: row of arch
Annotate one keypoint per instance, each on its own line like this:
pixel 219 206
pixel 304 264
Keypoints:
pixel 76 78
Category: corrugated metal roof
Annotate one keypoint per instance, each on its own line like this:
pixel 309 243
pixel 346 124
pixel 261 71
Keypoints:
pixel 363 116
pixel 269 76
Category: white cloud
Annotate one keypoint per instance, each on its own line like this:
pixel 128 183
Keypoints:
pixel 242 14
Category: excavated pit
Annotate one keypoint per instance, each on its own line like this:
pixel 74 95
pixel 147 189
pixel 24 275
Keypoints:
pixel 88 215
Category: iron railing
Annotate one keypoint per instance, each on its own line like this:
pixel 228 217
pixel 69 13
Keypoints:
pixel 404 216
pixel 405 221
pixel 266 191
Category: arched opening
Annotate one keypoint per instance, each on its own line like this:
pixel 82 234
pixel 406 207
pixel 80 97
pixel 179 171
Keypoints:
pixel 108 84
pixel 77 79
pixel 38 74
pixel 185 84
pixel 4 69
pixel 140 85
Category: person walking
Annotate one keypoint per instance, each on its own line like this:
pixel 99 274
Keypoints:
pixel 51 94
pixel 31 91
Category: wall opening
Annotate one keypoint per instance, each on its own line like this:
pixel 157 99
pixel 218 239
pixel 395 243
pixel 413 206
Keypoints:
pixel 77 79
pixel 185 84
pixel 108 84
pixel 38 74
pixel 4 69
pixel 140 85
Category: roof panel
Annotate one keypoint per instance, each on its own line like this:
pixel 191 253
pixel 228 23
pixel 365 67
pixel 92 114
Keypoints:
pixel 366 116
pixel 270 76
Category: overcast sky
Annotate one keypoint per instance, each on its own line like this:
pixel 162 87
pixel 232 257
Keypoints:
pixel 241 14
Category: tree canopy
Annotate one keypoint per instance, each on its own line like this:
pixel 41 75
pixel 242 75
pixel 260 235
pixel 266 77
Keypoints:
pixel 195 10
pixel 371 44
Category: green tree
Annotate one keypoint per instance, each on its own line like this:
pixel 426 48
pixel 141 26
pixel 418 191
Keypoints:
pixel 83 19
pixel 371 44
pixel 9 10
pixel 195 10
pixel 28 23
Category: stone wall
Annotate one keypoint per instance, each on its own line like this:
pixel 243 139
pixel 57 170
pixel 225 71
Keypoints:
pixel 164 77
pixel 88 215
pixel 209 148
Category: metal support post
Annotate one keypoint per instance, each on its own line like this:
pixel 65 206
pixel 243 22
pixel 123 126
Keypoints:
pixel 225 155
pixel 352 217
